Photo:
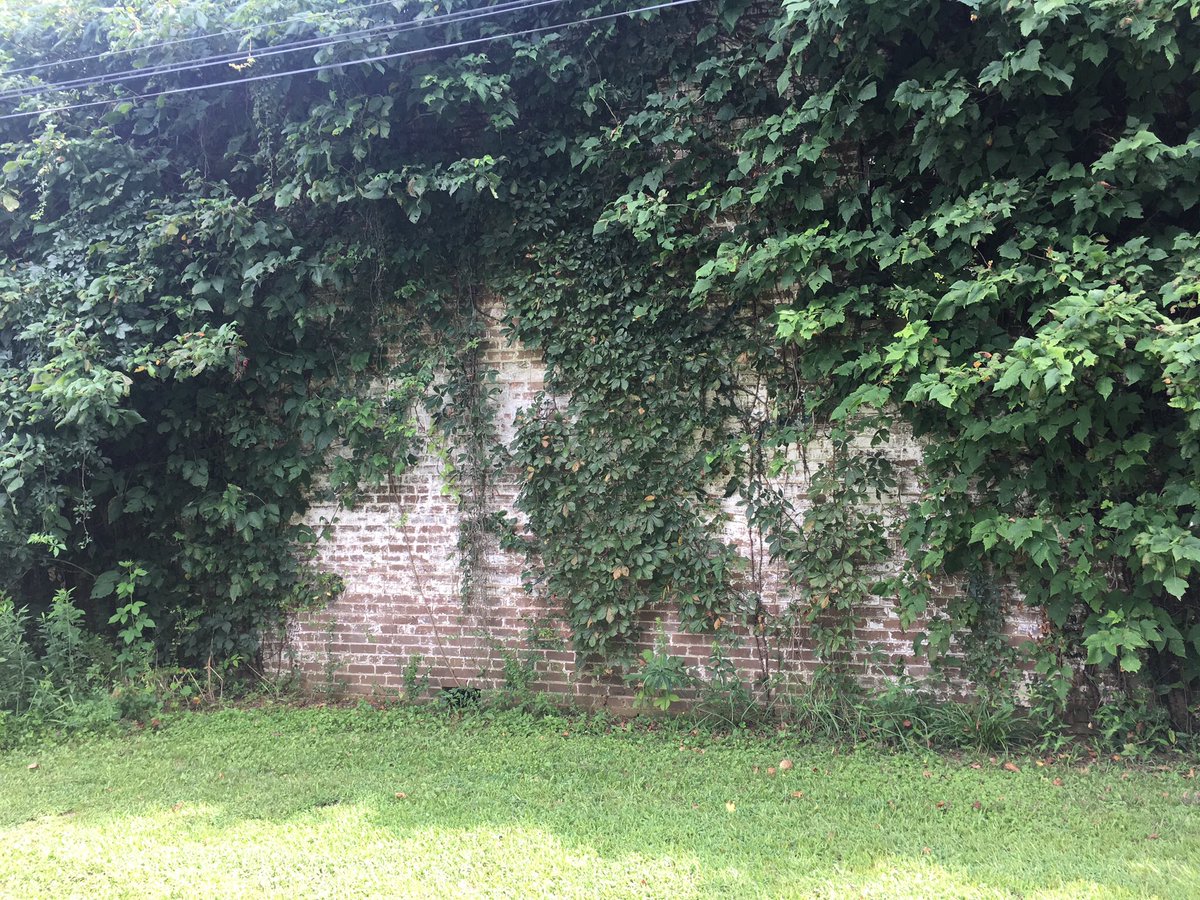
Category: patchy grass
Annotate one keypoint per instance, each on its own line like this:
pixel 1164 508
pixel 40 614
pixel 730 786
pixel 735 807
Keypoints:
pixel 352 803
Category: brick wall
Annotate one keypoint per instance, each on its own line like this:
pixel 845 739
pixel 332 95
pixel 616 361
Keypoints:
pixel 396 553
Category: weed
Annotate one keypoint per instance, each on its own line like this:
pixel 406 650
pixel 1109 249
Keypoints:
pixel 136 650
pixel 17 666
pixel 416 679
pixel 1132 725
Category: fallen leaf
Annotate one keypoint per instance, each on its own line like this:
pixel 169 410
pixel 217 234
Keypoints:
pixel 799 795
pixel 926 774
pixel 400 795
pixel 976 805
pixel 32 765
pixel 177 807
pixel 785 765
pixel 926 850
pixel 1057 782
pixel 770 771
pixel 1153 836
pixel 941 804
pixel 730 806
pixel 1011 767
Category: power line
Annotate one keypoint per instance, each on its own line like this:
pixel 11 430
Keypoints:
pixel 352 62
pixel 300 17
pixel 313 43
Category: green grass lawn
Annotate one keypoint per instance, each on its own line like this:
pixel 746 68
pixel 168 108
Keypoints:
pixel 352 803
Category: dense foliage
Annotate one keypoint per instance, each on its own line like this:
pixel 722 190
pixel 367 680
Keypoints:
pixel 734 230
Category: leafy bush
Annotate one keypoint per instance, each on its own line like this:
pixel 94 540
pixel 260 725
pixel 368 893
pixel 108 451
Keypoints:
pixel 70 680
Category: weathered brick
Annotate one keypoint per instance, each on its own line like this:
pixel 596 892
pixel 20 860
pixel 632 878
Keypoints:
pixel 396 552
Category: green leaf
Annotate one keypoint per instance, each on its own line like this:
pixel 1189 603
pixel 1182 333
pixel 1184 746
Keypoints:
pixel 1175 586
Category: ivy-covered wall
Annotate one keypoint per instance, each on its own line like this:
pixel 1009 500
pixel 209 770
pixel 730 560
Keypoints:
pixel 734 233
pixel 403 618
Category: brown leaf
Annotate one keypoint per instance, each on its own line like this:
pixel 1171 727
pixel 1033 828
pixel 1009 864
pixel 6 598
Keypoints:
pixel 770 771
pixel 799 795
pixel 976 805
pixel 1153 836
pixel 785 765
pixel 926 774
pixel 1057 782
pixel 1011 767
pixel 400 795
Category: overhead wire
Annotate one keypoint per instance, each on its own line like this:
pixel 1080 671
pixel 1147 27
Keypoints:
pixel 250 56
pixel 349 62
pixel 299 17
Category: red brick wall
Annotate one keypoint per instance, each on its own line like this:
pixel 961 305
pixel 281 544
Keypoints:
pixel 396 552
